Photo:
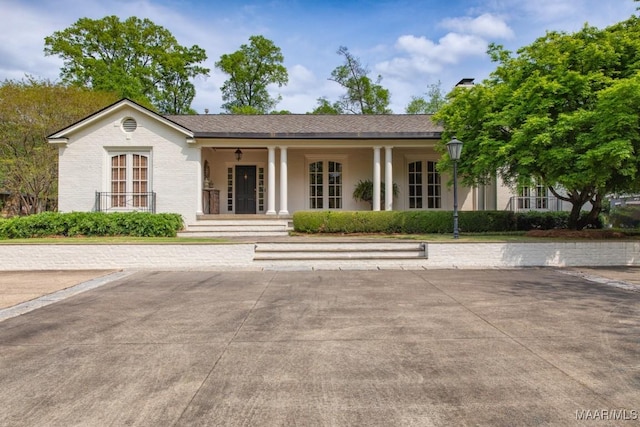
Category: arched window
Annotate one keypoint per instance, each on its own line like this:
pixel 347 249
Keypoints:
pixel 130 183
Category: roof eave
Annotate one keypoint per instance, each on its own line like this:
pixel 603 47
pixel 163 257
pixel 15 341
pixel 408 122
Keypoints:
pixel 319 135
pixel 61 141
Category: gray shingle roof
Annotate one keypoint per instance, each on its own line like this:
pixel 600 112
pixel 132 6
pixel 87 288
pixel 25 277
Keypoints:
pixel 310 126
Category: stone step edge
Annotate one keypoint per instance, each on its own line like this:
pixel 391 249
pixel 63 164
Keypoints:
pixel 341 258
pixel 329 250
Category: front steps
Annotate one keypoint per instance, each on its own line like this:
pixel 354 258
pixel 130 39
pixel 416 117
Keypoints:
pixel 345 255
pixel 238 226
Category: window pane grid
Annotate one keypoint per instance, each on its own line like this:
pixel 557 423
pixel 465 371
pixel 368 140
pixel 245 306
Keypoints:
pixel 229 189
pixel 316 200
pixel 130 184
pixel 415 185
pixel 524 199
pixel 140 198
pixel 118 180
pixel 542 197
pixel 260 189
pixel 335 185
pixel 433 186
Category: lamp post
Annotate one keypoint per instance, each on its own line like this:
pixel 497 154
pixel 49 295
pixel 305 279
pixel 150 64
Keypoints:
pixel 455 147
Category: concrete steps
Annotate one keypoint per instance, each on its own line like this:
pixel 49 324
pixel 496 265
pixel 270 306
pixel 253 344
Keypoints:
pixel 235 227
pixel 344 255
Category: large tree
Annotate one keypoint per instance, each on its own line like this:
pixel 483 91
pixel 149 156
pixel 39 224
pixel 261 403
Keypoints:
pixel 29 111
pixel 135 58
pixel 563 111
pixel 429 105
pixel 362 96
pixel 251 70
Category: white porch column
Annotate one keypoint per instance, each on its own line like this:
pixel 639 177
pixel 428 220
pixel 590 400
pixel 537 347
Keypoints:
pixel 283 182
pixel 200 175
pixel 271 182
pixel 376 178
pixel 388 179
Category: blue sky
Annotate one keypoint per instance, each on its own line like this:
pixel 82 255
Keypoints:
pixel 411 44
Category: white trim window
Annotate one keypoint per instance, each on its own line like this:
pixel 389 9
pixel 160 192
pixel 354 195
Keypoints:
pixel 130 180
pixel 536 195
pixel 425 188
pixel 325 184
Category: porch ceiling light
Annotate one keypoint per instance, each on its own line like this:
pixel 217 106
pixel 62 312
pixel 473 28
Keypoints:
pixel 238 154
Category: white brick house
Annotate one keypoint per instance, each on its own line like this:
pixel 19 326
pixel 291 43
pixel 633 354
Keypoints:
pixel 126 157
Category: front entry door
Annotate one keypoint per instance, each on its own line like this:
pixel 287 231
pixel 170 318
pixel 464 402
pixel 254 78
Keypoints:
pixel 245 189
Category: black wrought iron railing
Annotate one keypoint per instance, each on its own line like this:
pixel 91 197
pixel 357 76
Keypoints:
pixel 123 202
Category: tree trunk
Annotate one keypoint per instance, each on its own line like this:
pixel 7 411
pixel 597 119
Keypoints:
pixel 574 215
pixel 576 221
pixel 592 217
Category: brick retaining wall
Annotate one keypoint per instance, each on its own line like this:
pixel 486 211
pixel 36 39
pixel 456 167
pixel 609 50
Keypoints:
pixel 240 256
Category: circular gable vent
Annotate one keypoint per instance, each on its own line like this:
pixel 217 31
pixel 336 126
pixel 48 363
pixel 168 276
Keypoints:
pixel 129 125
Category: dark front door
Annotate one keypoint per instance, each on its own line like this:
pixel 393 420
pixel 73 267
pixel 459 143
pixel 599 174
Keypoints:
pixel 245 189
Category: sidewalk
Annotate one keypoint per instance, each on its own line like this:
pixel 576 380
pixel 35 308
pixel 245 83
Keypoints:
pixel 20 286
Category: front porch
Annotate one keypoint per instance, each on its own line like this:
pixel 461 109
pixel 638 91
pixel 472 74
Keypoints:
pixel 277 181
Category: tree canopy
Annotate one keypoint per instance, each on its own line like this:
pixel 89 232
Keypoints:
pixel 326 107
pixel 251 70
pixel 30 110
pixel 430 105
pixel 563 111
pixel 135 58
pixel 363 96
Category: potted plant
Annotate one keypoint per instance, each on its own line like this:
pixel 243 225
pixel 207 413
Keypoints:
pixel 364 191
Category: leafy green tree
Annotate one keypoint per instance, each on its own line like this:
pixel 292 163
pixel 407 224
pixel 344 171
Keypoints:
pixel 251 70
pixel 29 111
pixel 564 112
pixel 326 107
pixel 135 58
pixel 363 96
pixel 435 100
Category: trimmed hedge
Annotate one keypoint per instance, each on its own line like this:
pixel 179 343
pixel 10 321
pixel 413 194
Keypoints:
pixel 425 222
pixel 135 224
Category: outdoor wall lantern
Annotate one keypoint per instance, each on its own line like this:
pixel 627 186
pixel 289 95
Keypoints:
pixel 238 154
pixel 455 148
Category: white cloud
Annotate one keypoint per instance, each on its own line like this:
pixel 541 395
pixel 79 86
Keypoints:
pixel 486 25
pixel 427 57
pixel 300 79
pixel 551 10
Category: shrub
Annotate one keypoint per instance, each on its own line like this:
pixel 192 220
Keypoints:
pixel 537 220
pixel 487 221
pixel 136 224
pixel 425 222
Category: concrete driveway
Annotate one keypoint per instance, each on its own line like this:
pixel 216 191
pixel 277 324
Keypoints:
pixel 379 348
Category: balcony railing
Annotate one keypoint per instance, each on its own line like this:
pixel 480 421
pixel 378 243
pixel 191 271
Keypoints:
pixel 548 203
pixel 125 202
